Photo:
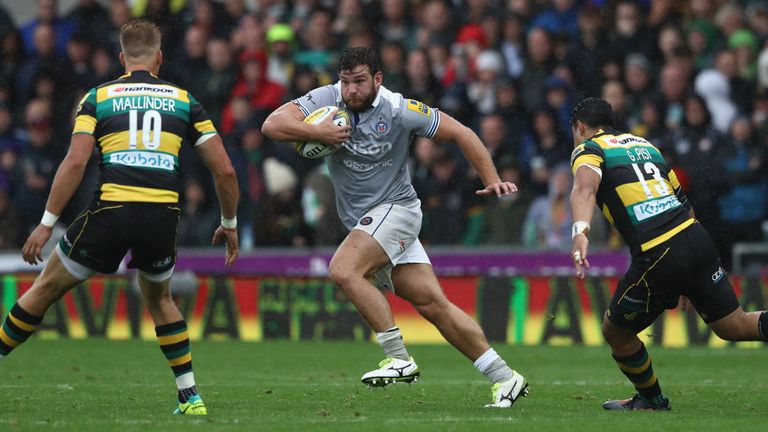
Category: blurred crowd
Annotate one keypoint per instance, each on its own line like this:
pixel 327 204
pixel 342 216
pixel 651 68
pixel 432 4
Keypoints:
pixel 691 76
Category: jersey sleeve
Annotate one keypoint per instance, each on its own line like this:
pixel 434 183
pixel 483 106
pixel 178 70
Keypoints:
pixel 587 153
pixel 679 193
pixel 317 98
pixel 200 126
pixel 420 118
pixel 85 119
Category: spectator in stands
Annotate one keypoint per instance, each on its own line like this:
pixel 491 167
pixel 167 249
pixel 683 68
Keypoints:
pixel 638 75
pixel 673 89
pixel 513 44
pixel 191 61
pixel 745 45
pixel 694 146
pixel 197 220
pixel 212 86
pixel 587 53
pixel 281 42
pixel 280 219
pixel 559 19
pixel 13 234
pixel 393 65
pixel 482 91
pixel 713 86
pixel 79 56
pixel 319 204
pixel 46 13
pixel 613 92
pixel 537 68
pixel 90 19
pixel 545 141
pixel 504 218
pixel 629 34
pixel 262 94
pixel 421 83
pixel 318 41
pixel 436 24
pixel 740 173
pixel 742 91
pixel 548 222
pixel 448 202
pixel 45 60
pixel 396 25
pixel 493 133
pixel 39 158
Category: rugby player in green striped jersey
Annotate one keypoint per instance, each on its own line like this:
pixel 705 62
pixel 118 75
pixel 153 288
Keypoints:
pixel 674 260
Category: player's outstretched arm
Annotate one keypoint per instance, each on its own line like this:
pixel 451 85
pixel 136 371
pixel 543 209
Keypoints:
pixel 451 130
pixel 65 183
pixel 225 181
pixel 286 124
pixel 583 200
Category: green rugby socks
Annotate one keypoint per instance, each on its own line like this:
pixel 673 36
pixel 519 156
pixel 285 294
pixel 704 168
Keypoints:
pixel 639 369
pixel 16 329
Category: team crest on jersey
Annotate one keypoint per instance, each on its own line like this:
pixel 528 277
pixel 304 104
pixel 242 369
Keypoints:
pixel 366 220
pixel 418 107
pixel 382 126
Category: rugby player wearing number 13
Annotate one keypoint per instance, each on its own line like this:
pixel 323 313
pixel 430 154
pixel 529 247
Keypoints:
pixel 673 258
pixel 138 123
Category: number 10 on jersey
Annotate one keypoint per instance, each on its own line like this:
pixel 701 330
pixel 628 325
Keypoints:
pixel 151 127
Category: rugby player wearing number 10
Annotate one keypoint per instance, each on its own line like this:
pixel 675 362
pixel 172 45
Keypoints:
pixel 139 123
pixel 378 204
pixel 673 258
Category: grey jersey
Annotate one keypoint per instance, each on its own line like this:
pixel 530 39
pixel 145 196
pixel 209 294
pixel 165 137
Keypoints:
pixel 371 169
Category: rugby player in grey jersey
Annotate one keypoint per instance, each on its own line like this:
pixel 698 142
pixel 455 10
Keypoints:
pixel 379 206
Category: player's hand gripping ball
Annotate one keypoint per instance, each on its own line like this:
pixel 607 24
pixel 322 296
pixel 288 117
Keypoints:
pixel 315 149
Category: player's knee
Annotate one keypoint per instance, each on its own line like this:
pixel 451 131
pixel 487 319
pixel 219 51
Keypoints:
pixel 431 308
pixel 615 336
pixel 46 290
pixel 342 276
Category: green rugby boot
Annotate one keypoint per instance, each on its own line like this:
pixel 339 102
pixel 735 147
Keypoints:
pixel 193 406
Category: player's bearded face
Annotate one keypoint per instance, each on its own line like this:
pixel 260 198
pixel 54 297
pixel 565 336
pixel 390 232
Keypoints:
pixel 359 88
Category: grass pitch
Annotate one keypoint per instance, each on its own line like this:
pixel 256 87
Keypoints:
pixel 100 385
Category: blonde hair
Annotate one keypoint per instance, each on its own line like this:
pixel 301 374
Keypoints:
pixel 139 39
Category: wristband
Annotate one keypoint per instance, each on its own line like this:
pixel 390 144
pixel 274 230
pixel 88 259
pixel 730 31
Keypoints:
pixel 229 223
pixel 49 219
pixel 579 227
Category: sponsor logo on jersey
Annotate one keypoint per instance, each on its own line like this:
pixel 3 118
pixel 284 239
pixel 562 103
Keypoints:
pixel 142 159
pixel 577 151
pixel 364 166
pixel 366 220
pixel 403 245
pixel 382 126
pixel 652 208
pixel 145 89
pixel 369 148
pixel 418 107
pixel 718 275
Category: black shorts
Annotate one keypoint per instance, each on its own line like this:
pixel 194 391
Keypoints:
pixel 101 236
pixel 687 264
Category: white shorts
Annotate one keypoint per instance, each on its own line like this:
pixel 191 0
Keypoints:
pixel 396 229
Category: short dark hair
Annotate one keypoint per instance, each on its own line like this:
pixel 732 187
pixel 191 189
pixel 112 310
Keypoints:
pixel 594 112
pixel 353 57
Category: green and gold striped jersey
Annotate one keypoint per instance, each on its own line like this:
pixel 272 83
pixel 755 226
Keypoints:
pixel 139 122
pixel 638 194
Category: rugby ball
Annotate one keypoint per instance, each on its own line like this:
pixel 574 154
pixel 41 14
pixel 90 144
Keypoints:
pixel 317 150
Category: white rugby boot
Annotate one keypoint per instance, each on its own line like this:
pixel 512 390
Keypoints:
pixel 505 393
pixel 392 371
